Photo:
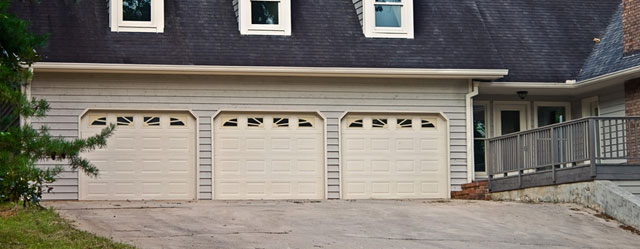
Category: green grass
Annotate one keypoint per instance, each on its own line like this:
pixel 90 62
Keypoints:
pixel 33 227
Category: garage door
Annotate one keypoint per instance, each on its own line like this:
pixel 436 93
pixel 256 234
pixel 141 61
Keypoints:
pixel 394 156
pixel 151 156
pixel 268 156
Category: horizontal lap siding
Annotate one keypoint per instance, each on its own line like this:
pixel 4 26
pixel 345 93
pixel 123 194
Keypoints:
pixel 611 102
pixel 70 94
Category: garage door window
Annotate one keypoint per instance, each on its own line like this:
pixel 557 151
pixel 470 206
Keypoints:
pixel 151 121
pixel 232 122
pixel 175 121
pixel 404 123
pixel 255 122
pixel 280 122
pixel 305 122
pixel 379 123
pixel 357 123
pixel 99 121
pixel 125 121
pixel 428 123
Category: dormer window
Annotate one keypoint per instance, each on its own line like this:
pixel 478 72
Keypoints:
pixel 136 15
pixel 388 18
pixel 265 17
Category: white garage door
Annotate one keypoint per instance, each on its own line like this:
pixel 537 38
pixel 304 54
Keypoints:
pixel 268 156
pixel 394 156
pixel 151 156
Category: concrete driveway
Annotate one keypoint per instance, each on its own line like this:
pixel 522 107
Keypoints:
pixel 348 224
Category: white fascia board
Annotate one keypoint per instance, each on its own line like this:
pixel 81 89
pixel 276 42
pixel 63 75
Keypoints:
pixel 556 88
pixel 480 74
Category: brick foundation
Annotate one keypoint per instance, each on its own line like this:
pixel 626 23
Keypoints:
pixel 478 190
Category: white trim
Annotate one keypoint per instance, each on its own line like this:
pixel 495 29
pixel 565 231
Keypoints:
pixel 324 137
pixel 536 104
pixel 563 89
pixel 284 19
pixel 197 137
pixel 525 118
pixel 117 24
pixel 369 20
pixel 586 105
pixel 473 91
pixel 488 74
pixel 448 138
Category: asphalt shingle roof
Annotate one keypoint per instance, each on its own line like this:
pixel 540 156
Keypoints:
pixel 607 56
pixel 542 41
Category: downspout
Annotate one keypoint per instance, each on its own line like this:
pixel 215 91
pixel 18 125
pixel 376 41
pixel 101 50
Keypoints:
pixel 473 88
pixel 26 90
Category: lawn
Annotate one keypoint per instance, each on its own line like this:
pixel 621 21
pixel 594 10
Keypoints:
pixel 34 227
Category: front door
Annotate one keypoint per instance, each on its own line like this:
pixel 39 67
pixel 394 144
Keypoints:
pixel 510 118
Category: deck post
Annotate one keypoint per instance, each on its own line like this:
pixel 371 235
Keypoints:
pixel 554 140
pixel 592 146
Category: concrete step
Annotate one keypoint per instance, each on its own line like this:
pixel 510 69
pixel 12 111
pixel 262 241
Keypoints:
pixel 631 186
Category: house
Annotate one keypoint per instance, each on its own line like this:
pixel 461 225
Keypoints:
pixel 281 99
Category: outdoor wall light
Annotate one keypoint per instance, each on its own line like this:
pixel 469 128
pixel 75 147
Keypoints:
pixel 522 94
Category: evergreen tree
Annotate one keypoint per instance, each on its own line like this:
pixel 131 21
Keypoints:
pixel 21 147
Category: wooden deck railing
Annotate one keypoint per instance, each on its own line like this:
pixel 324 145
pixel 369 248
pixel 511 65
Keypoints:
pixel 578 150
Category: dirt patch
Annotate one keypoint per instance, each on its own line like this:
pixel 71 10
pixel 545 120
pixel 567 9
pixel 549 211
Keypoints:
pixel 8 211
pixel 604 216
pixel 630 229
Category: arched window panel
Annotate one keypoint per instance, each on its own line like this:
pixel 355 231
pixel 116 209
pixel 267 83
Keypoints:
pixel 404 123
pixel 280 122
pixel 356 123
pixel 255 122
pixel 305 122
pixel 379 123
pixel 231 122
pixel 125 120
pixel 177 121
pixel 428 123
pixel 99 121
pixel 151 121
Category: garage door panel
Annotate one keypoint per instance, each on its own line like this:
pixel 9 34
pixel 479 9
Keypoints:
pixel 268 158
pixel 152 160
pixel 386 157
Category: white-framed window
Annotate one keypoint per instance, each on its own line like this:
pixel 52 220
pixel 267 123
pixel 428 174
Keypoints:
pixel 388 18
pixel 265 17
pixel 136 15
pixel 548 113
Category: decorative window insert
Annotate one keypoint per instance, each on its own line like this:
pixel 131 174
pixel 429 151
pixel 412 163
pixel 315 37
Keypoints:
pixel 356 123
pixel 265 17
pixel 255 122
pixel 305 122
pixel 379 123
pixel 232 122
pixel 280 122
pixel 99 121
pixel 124 120
pixel 136 15
pixel 404 123
pixel 428 123
pixel 151 121
pixel 177 121
pixel 388 18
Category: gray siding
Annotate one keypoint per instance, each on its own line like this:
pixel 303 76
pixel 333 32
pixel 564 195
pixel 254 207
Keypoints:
pixel 70 94
pixel 5 111
pixel 611 102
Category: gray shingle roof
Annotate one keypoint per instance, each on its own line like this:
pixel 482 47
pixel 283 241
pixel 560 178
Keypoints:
pixel 607 56
pixel 544 40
